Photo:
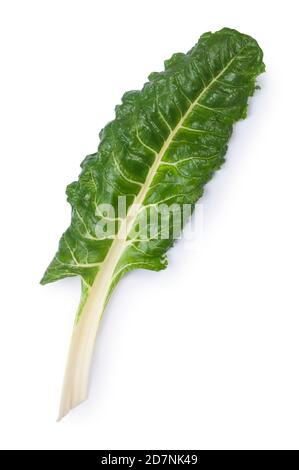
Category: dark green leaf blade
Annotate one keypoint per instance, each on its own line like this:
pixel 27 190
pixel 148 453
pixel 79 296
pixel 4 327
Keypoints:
pixel 195 100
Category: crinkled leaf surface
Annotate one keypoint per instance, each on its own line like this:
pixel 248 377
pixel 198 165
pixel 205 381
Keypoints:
pixel 165 143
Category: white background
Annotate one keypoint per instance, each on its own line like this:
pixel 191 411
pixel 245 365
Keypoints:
pixel 204 355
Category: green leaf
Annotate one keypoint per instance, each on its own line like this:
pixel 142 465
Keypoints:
pixel 165 143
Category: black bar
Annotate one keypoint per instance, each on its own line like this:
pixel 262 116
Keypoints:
pixel 135 459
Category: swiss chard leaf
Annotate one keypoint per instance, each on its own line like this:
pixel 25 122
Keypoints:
pixel 165 143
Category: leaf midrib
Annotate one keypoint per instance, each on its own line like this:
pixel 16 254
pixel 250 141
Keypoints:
pixel 119 244
pixel 85 330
